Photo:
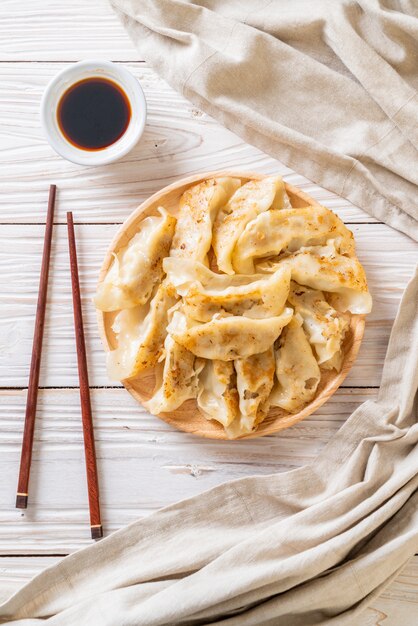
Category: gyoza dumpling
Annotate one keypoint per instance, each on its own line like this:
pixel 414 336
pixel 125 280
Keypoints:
pixel 181 273
pixel 199 206
pixel 321 267
pixel 227 338
pixel 297 371
pixel 290 229
pixel 255 379
pixel 247 202
pixel 205 293
pixel 138 267
pixel 176 378
pixel 217 397
pixel 140 335
pixel 324 326
pixel 259 299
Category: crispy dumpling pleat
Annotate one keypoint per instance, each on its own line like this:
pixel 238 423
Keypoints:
pixel 217 396
pixel 297 371
pixel 255 379
pixel 176 378
pixel 227 338
pixel 324 326
pixel 206 294
pixel 138 267
pixel 199 206
pixel 322 268
pixel 290 229
pixel 140 335
pixel 247 202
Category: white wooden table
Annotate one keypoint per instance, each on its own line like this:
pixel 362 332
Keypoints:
pixel 143 463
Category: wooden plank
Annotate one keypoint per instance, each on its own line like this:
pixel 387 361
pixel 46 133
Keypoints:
pixel 47 30
pixel 378 247
pixel 16 571
pixel 397 606
pixel 179 140
pixel 143 463
pixel 137 450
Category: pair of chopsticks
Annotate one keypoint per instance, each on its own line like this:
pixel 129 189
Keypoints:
pixel 31 402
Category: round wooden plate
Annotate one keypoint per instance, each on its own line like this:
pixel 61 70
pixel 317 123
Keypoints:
pixel 187 417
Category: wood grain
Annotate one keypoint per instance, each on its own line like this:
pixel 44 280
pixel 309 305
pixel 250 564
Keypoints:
pixel 187 417
pixel 136 451
pixel 35 363
pixel 378 248
pixel 83 377
pixel 398 604
pixel 143 463
pixel 47 30
pixel 179 140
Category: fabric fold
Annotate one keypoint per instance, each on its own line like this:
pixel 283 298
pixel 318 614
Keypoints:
pixel 312 84
pixel 317 86
pixel 316 543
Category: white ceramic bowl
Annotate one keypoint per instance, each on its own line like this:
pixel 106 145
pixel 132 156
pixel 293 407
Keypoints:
pixel 79 71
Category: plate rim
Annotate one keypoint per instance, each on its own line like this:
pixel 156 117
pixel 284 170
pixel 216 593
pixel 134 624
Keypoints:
pixel 277 419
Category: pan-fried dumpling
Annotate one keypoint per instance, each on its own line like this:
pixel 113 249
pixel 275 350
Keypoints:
pixel 289 229
pixel 181 273
pixel 322 268
pixel 176 378
pixel 324 326
pixel 199 206
pixel 140 333
pixel 247 202
pixel 138 267
pixel 218 397
pixel 297 371
pixel 259 299
pixel 229 337
pixel 255 379
pixel 205 293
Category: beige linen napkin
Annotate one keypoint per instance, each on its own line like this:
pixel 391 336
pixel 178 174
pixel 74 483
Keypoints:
pixel 311 546
pixel 326 86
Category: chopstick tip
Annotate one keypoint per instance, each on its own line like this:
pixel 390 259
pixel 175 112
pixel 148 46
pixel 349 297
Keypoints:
pixel 96 532
pixel 21 501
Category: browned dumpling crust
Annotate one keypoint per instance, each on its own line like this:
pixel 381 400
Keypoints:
pixel 198 209
pixel 235 299
pixel 274 232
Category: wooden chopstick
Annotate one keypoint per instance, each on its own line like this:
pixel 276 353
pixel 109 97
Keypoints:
pixel 88 433
pixel 32 397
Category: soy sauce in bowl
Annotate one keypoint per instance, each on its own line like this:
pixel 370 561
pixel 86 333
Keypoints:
pixel 93 113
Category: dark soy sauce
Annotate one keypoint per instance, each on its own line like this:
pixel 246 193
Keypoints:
pixel 93 113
